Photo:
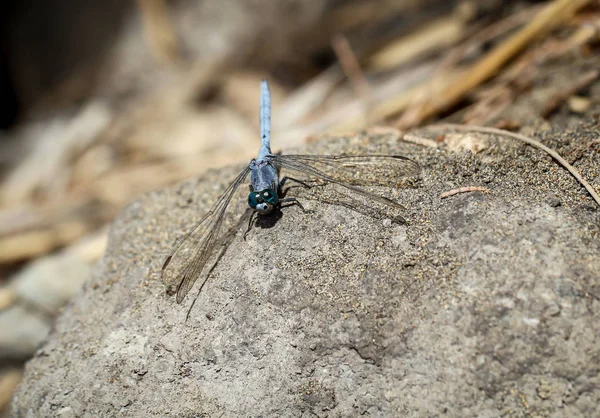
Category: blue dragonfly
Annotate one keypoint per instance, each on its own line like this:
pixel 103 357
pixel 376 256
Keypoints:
pixel 190 258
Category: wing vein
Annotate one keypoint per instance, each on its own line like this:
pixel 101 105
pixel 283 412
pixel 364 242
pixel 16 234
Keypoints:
pixel 201 241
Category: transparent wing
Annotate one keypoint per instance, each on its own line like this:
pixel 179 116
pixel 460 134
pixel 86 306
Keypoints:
pixel 190 256
pixel 351 170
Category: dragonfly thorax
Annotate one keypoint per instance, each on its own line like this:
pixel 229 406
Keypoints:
pixel 264 185
pixel 263 201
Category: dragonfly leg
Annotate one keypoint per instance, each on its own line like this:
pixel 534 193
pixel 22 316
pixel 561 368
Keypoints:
pixel 285 179
pixel 294 201
pixel 249 224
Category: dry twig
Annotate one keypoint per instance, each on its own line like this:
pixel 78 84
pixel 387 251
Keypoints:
pixel 415 139
pixel 465 189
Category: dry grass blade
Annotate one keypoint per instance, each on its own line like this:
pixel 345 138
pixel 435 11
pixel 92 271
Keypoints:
pixel 29 244
pixel 9 379
pixel 441 33
pixel 553 15
pixel 159 30
pixel 527 140
pixel 303 101
pixel 350 66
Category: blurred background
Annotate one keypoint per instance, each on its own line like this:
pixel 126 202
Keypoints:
pixel 102 101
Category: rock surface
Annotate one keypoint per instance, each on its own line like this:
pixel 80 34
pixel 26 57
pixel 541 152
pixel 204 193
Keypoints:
pixel 481 305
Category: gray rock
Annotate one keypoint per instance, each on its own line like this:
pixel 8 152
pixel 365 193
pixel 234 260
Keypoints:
pixel 49 283
pixel 33 299
pixel 333 313
pixel 21 332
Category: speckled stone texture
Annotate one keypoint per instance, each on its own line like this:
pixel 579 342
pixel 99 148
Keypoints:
pixel 481 305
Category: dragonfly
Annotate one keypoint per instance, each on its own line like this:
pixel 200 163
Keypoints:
pixel 190 257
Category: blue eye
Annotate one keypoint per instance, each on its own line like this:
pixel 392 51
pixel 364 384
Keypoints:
pixel 268 196
pixel 253 199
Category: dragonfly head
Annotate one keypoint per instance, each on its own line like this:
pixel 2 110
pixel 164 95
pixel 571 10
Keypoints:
pixel 263 201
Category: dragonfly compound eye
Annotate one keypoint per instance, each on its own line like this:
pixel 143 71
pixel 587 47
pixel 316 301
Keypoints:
pixel 263 201
pixel 269 196
pixel 254 199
